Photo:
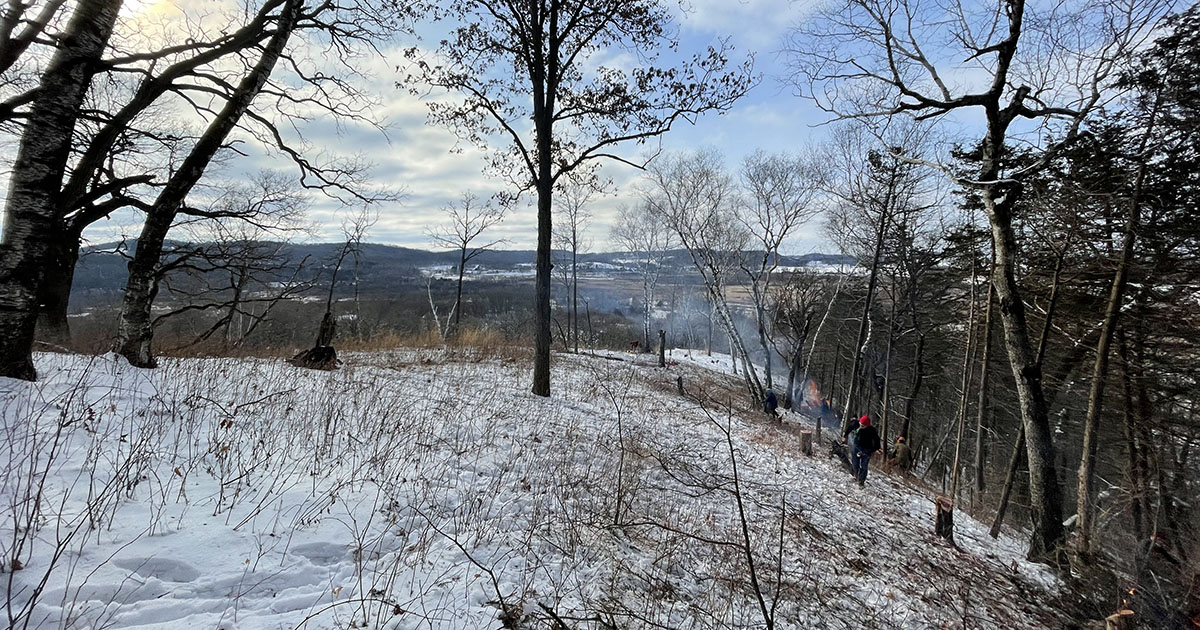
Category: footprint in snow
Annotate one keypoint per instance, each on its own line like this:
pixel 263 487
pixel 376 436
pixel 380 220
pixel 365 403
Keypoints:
pixel 165 569
pixel 320 553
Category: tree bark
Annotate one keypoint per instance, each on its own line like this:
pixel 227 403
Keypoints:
pixel 33 211
pixel 1014 462
pixel 885 397
pixel 544 77
pixel 575 287
pixel 1044 492
pixel 964 393
pixel 55 293
pixel 135 331
pixel 981 403
pixel 918 376
pixel 760 316
pixel 1135 466
pixel 462 264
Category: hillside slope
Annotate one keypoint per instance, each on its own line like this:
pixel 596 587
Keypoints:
pixel 429 489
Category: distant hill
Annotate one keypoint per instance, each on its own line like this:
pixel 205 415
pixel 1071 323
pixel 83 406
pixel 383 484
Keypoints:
pixel 382 268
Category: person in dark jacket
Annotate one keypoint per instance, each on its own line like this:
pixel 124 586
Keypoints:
pixel 771 403
pixel 866 442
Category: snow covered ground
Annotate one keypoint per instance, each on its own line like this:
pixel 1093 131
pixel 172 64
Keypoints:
pixel 429 489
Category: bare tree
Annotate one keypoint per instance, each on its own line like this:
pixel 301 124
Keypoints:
pixel 779 197
pixel 503 53
pixel 130 145
pixel 695 197
pixel 322 355
pixel 642 232
pixel 874 186
pixel 875 59
pixel 575 217
pixel 135 331
pixel 468 220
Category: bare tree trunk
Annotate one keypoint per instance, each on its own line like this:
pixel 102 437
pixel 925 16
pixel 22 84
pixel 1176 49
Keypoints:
pixel 544 78
pixel 860 345
pixel 462 264
pixel 983 389
pixel 135 331
pixel 797 354
pixel 1014 463
pixel 647 297
pixel 1135 467
pixel 1019 445
pixel 1044 492
pixel 964 393
pixel 760 316
pixel 887 380
pixel 918 377
pixel 1085 505
pixel 55 293
pixel 32 213
pixel 575 287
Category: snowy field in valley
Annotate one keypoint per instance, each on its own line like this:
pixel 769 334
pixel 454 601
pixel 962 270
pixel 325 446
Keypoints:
pixel 429 489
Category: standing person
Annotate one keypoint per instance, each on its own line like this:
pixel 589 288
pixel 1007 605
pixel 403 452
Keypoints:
pixel 866 442
pixel 771 403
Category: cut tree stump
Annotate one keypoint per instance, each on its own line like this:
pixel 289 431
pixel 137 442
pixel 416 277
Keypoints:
pixel 806 442
pixel 679 384
pixel 944 523
pixel 317 358
pixel 1120 620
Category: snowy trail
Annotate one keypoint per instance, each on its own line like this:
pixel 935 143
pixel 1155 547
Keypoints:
pixel 428 489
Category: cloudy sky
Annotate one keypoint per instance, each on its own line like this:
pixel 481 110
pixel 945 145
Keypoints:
pixel 420 158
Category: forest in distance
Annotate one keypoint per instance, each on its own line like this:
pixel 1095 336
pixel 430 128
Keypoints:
pixel 1000 201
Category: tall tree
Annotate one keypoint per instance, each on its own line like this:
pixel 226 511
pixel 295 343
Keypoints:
pixel 135 330
pixel 516 62
pixel 694 197
pixel 1158 131
pixel 779 193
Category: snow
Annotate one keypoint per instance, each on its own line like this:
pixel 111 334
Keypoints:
pixel 422 488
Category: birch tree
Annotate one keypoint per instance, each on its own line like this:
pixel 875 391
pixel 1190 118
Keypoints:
pixel 696 198
pixel 645 235
pixel 779 196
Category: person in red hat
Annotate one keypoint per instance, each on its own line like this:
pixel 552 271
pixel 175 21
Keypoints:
pixel 864 443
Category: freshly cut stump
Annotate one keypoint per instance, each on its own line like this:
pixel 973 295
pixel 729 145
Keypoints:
pixel 944 524
pixel 806 442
